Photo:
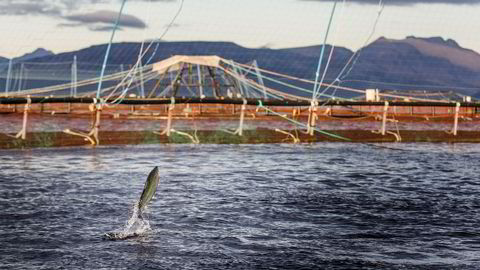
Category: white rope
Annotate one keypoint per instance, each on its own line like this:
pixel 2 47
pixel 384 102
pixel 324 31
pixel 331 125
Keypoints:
pixel 355 56
pixel 331 51
pixel 135 67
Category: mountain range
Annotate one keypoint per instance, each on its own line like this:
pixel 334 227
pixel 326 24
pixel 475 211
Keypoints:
pixel 425 64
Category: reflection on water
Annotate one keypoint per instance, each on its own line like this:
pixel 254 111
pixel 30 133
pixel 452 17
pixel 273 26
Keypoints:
pixel 244 206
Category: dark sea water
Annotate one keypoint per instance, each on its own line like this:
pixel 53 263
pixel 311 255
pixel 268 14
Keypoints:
pixel 310 206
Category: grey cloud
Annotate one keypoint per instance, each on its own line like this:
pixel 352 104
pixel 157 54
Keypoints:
pixel 99 28
pixel 91 27
pixel 53 7
pixel 101 19
pixel 29 8
pixel 408 2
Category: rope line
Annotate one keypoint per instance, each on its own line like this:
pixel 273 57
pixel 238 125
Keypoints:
pixel 317 74
pixel 260 105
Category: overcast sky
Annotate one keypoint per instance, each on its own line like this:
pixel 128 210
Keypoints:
pixel 64 25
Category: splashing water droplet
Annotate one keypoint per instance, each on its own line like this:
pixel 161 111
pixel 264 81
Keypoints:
pixel 136 225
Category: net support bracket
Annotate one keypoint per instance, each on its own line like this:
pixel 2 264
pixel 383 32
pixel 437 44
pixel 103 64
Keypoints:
pixel 295 138
pixel 92 136
pixel 193 138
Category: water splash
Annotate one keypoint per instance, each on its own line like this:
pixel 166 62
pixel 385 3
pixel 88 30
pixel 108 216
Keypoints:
pixel 136 226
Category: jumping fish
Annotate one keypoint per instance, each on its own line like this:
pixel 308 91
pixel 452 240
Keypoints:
pixel 149 190
pixel 147 194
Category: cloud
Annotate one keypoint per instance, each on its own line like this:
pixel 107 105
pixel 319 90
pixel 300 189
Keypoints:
pixel 105 28
pixel 408 2
pixel 101 20
pixel 29 8
pixel 53 7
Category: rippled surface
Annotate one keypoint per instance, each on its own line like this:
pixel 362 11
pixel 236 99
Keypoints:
pixel 244 207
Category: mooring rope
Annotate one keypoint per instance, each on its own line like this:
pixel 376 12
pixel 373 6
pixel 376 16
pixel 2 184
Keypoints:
pixel 320 58
pixel 135 67
pixel 283 83
pixel 355 56
pixel 332 49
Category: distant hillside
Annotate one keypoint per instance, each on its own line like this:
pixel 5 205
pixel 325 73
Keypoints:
pixel 38 53
pixel 292 61
pixel 429 64
pixel 417 64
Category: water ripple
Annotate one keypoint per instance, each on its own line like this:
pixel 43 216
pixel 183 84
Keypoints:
pixel 310 206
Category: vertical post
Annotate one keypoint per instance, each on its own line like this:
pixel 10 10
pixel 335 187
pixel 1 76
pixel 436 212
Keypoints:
pixel 200 81
pixel 142 87
pixel 23 133
pixel 25 118
pixel 169 120
pixel 314 120
pixel 73 90
pixel 242 118
pixel 96 107
pixel 311 116
pixel 97 123
pixel 9 79
pixel 455 123
pixel 122 69
pixel 384 119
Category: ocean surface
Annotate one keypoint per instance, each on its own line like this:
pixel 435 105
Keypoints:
pixel 279 206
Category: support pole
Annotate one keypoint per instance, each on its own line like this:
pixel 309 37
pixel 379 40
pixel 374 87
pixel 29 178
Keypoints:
pixel 384 119
pixel 455 122
pixel 142 86
pixel 23 132
pixel 239 131
pixel 168 130
pixel 96 123
pixel 96 128
pixel 312 115
pixel 73 89
pixel 200 81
